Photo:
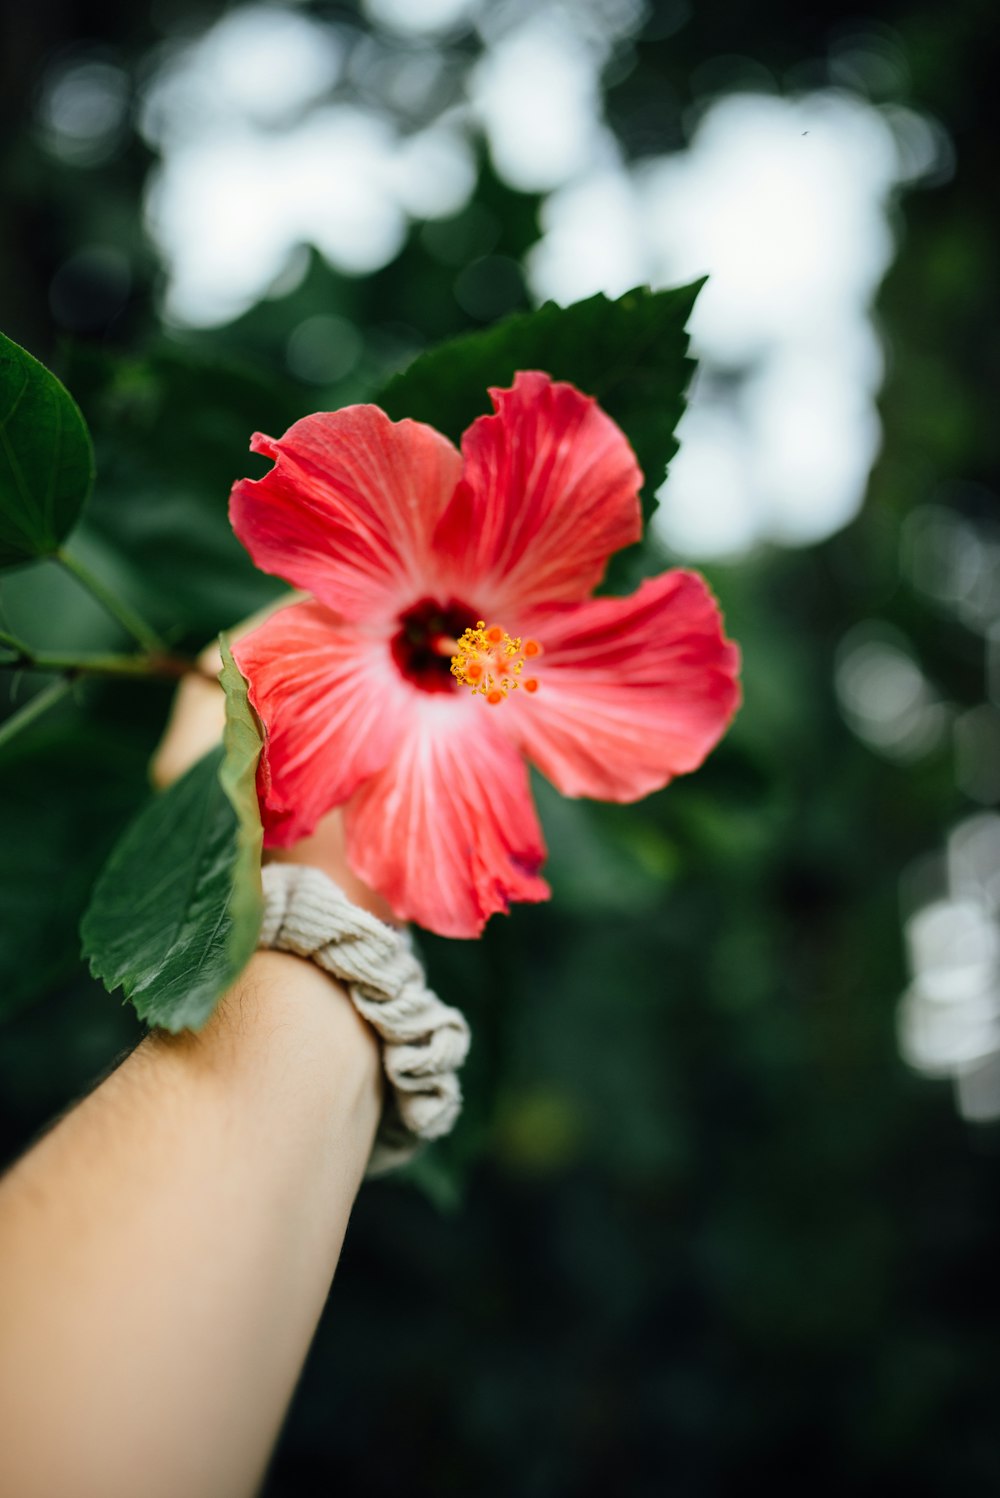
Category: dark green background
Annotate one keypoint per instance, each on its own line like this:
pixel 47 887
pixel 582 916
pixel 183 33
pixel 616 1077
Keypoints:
pixel 700 1230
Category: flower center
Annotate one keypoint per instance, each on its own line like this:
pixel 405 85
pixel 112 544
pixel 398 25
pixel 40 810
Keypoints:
pixel 490 661
pixel 425 642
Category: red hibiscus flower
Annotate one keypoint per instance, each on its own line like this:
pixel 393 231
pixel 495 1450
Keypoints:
pixel 451 635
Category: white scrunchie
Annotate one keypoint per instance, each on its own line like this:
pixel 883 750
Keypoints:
pixel 424 1042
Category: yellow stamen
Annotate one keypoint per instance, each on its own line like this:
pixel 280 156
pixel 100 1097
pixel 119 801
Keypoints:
pixel 489 661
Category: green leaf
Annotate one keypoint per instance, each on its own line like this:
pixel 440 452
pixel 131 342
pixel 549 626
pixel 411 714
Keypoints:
pixel 46 458
pixel 630 353
pixel 175 914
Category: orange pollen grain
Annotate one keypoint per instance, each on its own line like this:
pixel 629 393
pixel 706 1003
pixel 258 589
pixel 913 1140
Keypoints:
pixel 490 661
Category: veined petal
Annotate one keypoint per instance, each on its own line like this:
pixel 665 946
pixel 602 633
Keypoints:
pixel 550 488
pixel 349 508
pixel 447 831
pixel 631 691
pixel 333 708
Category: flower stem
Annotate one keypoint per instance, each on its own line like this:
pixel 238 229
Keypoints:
pixel 155 663
pixel 34 708
pixel 116 607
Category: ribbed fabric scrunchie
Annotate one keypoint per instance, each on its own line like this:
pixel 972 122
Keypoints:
pixel 424 1042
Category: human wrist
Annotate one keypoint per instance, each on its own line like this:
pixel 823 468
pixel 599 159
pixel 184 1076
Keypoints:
pixel 424 1042
pixel 285 1022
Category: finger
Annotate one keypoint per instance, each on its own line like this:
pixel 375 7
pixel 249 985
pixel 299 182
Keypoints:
pixel 195 723
pixel 198 714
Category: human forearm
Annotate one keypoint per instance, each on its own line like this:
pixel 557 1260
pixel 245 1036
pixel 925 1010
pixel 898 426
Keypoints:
pixel 198 1198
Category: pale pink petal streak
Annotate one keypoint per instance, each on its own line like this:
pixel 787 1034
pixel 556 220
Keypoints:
pixel 549 490
pixel 447 831
pixel 333 707
pixel 349 508
pixel 631 691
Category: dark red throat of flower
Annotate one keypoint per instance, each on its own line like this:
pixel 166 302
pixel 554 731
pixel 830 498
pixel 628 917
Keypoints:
pixel 425 642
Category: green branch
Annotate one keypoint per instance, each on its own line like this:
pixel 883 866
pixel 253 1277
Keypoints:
pixel 115 606
pixel 156 663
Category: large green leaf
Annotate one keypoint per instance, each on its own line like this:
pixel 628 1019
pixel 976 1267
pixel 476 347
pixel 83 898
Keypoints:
pixel 630 353
pixel 46 459
pixel 175 914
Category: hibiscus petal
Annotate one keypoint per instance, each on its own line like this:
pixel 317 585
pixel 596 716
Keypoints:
pixel 631 691
pixel 333 708
pixel 549 490
pixel 447 831
pixel 349 508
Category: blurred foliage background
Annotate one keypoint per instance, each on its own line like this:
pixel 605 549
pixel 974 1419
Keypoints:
pixel 702 1222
